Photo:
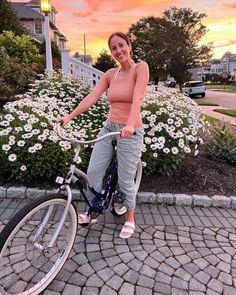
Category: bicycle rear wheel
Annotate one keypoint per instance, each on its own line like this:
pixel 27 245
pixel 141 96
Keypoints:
pixel 28 265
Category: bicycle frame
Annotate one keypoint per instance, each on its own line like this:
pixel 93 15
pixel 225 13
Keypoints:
pixel 65 185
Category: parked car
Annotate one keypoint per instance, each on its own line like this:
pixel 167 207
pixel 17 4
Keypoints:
pixel 194 88
pixel 170 82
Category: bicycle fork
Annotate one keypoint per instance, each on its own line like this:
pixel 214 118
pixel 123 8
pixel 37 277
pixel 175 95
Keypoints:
pixel 60 224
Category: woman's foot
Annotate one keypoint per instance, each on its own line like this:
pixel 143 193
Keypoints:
pixel 127 230
pixel 85 219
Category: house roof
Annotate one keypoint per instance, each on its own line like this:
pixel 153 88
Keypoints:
pixel 231 56
pixel 25 12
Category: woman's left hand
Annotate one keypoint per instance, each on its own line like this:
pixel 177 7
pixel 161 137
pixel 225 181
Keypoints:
pixel 127 131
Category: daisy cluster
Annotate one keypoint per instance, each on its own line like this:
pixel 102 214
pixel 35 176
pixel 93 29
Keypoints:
pixel 29 136
pixel 172 124
pixel 31 148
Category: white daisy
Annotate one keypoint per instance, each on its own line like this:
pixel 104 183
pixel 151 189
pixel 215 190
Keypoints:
pixel 12 157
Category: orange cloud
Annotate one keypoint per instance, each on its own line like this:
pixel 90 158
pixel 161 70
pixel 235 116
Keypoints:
pixel 119 6
pixel 82 14
pixel 230 5
pixel 94 4
pixel 124 5
pixel 230 42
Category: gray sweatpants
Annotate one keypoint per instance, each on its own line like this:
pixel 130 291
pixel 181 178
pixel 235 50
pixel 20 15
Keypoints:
pixel 128 155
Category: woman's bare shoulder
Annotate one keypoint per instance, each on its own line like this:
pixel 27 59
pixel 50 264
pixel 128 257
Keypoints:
pixel 142 65
pixel 111 72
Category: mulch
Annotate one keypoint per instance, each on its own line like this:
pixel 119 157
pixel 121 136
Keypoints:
pixel 195 175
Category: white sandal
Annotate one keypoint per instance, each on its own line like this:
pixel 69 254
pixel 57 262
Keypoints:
pixel 84 219
pixel 127 230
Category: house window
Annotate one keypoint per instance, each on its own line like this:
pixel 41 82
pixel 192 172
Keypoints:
pixel 38 27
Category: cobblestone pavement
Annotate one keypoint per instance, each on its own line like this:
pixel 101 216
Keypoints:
pixel 175 250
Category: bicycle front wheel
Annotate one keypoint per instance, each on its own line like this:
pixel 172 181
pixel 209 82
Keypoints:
pixel 27 263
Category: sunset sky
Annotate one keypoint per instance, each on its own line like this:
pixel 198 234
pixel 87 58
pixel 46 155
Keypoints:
pixel 97 19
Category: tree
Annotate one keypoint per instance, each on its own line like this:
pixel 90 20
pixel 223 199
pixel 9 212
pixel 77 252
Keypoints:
pixel 170 44
pixel 145 38
pixel 104 61
pixel 9 19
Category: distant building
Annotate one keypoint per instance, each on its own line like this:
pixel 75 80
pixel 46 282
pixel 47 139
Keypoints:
pixel 33 19
pixel 216 66
pixel 228 63
pixel 84 58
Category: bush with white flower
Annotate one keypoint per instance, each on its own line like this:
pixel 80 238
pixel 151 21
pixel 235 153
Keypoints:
pixel 172 124
pixel 29 145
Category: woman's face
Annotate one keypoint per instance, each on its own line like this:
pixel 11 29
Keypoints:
pixel 120 50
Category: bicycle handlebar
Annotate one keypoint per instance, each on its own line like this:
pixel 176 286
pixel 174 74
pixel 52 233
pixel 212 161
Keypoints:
pixel 82 142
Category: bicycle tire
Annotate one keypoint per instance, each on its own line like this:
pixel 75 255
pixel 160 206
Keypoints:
pixel 118 210
pixel 30 266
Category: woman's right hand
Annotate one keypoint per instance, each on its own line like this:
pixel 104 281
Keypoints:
pixel 65 120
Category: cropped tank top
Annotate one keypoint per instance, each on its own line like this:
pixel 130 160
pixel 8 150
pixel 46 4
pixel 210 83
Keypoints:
pixel 120 97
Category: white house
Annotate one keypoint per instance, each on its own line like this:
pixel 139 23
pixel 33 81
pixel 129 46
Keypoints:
pixel 216 66
pixel 32 18
pixel 228 63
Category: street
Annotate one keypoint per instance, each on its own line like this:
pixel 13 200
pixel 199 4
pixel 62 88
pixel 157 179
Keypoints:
pixel 224 99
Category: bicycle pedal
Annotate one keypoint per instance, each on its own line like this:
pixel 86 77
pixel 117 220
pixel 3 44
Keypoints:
pixel 119 197
pixel 60 180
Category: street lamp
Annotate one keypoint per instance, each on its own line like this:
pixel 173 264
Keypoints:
pixel 46 7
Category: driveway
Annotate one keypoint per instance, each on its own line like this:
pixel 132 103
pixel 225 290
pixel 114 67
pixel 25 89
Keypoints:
pixel 224 99
pixel 175 250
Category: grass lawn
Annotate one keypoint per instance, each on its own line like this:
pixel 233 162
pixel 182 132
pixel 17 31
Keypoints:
pixel 212 120
pixel 231 113
pixel 204 102
pixel 227 88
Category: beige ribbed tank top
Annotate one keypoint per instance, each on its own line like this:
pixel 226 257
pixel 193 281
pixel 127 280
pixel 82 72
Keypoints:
pixel 120 96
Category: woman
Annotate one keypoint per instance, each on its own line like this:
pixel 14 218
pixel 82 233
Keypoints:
pixel 126 88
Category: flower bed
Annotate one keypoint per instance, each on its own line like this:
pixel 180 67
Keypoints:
pixel 172 123
pixel 31 149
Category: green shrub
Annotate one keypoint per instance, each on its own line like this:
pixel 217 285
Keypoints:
pixel 18 64
pixel 30 147
pixel 222 145
pixel 172 123
pixel 20 48
pixel 15 78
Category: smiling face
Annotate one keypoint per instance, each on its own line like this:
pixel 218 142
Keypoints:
pixel 120 49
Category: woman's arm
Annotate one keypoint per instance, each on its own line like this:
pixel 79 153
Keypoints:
pixel 142 79
pixel 90 99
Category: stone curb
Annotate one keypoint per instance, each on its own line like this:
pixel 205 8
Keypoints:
pixel 143 197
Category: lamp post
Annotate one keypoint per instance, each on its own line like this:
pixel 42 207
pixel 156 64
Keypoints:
pixel 45 6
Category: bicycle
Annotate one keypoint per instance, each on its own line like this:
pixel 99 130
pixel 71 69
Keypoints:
pixel 37 241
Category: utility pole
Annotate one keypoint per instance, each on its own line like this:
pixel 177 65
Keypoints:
pixel 84 48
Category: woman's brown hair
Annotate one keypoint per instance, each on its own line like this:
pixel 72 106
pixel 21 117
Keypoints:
pixel 121 35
